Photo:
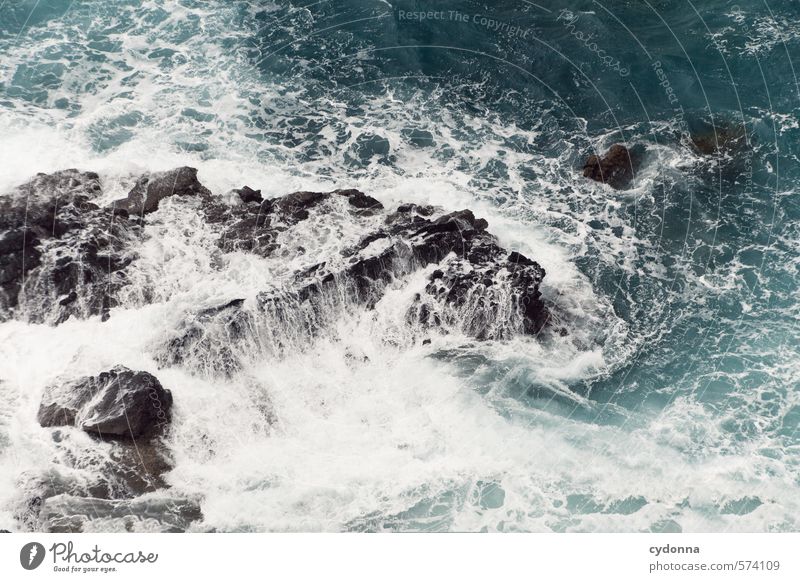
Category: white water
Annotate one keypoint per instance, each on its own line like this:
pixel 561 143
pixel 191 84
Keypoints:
pixel 365 423
pixel 367 427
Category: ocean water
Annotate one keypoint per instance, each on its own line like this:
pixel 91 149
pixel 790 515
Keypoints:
pixel 672 405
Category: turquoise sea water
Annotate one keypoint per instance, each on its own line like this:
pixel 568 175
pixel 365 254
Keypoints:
pixel 674 404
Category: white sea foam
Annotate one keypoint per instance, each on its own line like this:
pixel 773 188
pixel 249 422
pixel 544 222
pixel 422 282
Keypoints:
pixel 366 427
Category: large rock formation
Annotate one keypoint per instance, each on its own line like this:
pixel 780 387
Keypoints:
pixel 61 254
pixel 483 290
pixel 119 403
pixel 67 256
pixel 64 255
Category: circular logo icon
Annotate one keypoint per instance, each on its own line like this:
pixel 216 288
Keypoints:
pixel 31 555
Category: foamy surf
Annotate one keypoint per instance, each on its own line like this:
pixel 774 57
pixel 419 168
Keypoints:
pixel 668 404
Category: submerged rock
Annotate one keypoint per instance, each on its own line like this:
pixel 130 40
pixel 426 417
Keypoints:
pixel 616 167
pixel 719 139
pixel 107 470
pixel 207 342
pixel 110 469
pixel 138 467
pixel 118 403
pixel 150 513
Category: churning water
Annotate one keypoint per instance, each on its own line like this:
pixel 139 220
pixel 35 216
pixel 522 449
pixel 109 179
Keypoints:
pixel 673 403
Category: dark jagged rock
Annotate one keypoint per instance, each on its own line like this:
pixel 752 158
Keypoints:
pixel 247 194
pixel 150 189
pixel 295 206
pixel 616 168
pixel 73 255
pixel 118 403
pixel 59 250
pixel 409 243
pixel 254 226
pixel 245 228
pixel 364 205
pixel 479 287
pixel 62 255
pixel 483 293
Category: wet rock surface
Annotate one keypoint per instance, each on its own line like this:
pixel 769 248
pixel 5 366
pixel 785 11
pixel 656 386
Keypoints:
pixel 62 255
pixel 247 194
pixel 470 258
pixel 59 250
pixel 151 189
pixel 120 460
pixel 485 291
pixel 152 513
pixel 67 255
pixel 256 225
pixel 119 403
pixel 207 342
pixel 110 471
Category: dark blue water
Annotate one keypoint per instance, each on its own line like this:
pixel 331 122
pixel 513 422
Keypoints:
pixel 680 293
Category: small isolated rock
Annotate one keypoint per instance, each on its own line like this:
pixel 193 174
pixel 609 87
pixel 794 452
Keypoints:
pixel 117 403
pixel 616 168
